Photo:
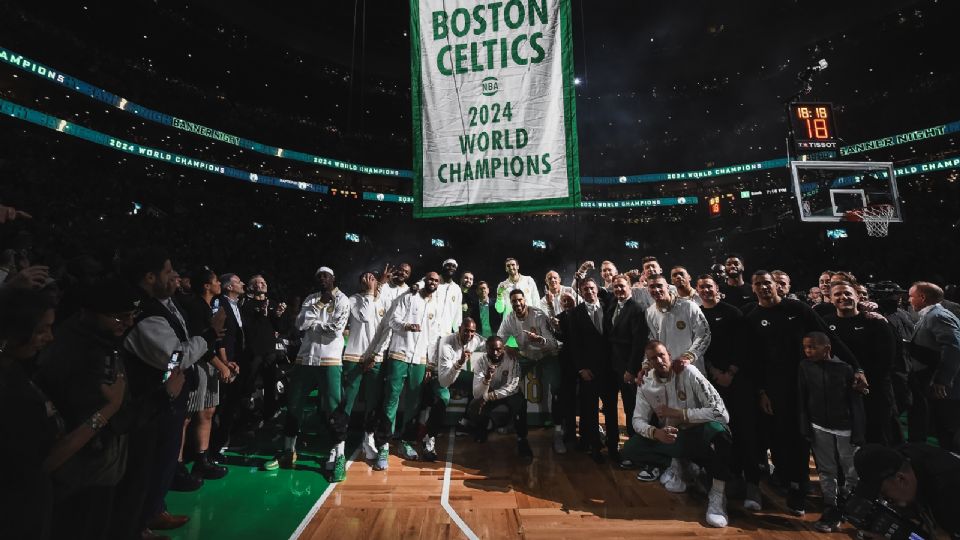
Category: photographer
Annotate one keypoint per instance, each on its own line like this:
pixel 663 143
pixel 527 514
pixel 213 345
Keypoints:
pixel 83 375
pixel 918 481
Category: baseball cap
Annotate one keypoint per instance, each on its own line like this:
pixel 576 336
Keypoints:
pixel 875 463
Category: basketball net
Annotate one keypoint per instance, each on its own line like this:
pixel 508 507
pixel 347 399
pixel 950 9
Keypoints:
pixel 876 218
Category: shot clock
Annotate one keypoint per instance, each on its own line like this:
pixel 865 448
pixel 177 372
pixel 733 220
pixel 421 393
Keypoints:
pixel 813 127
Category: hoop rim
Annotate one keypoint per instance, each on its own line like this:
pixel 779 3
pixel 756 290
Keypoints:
pixel 857 214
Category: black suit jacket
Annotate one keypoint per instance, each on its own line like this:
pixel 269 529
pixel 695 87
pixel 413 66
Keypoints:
pixel 233 337
pixel 627 337
pixel 473 311
pixel 588 347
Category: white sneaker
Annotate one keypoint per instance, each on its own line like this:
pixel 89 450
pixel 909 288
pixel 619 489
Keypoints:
pixel 674 478
pixel 429 448
pixel 752 500
pixel 332 459
pixel 369 447
pixel 669 472
pixel 558 444
pixel 717 509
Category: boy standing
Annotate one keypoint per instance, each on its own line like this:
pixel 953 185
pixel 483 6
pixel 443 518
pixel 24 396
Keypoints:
pixel 831 418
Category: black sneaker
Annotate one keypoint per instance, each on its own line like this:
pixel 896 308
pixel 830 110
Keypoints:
pixel 523 448
pixel 829 521
pixel 797 501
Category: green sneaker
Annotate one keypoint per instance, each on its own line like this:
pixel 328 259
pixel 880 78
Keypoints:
pixel 383 458
pixel 339 469
pixel 408 451
pixel 285 460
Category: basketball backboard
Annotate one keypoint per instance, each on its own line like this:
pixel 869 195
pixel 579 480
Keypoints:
pixel 826 190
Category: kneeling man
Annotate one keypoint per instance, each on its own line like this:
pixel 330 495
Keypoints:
pixel 692 424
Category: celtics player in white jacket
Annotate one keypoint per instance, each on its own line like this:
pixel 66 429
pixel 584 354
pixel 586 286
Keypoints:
pixel 691 424
pixel 678 323
pixel 367 310
pixel 322 319
pixel 416 328
pixel 515 280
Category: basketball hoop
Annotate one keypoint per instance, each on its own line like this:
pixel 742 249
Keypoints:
pixel 876 218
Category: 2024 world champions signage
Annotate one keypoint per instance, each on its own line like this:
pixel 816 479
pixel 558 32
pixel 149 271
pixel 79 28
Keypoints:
pixel 493 107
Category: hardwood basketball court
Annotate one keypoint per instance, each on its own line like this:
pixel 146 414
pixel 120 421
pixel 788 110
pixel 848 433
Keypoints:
pixel 491 493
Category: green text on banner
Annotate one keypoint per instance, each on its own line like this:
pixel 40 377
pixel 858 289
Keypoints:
pixel 494 118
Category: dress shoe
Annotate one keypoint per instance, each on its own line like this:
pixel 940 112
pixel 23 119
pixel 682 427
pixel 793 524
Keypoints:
pixel 523 448
pixel 166 521
pixel 147 534
pixel 208 469
pixel 184 481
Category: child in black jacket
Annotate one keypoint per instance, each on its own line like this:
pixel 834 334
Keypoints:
pixel 831 418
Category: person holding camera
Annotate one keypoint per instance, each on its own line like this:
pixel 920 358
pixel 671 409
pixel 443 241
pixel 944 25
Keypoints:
pixel 82 373
pixel 917 481
pixel 33 439
pixel 496 382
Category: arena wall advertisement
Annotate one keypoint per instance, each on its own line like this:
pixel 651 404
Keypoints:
pixel 493 107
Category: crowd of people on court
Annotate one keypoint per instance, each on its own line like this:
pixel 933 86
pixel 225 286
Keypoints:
pixel 111 386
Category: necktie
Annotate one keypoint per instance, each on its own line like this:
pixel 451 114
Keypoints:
pixel 615 313
pixel 597 320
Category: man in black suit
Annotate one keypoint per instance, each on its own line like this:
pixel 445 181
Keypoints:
pixel 233 343
pixel 481 309
pixel 591 357
pixel 625 327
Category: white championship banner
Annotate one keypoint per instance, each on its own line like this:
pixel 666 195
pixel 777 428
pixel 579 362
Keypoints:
pixel 493 107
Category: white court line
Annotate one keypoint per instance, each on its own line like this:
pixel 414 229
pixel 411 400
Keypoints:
pixel 323 498
pixel 445 496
